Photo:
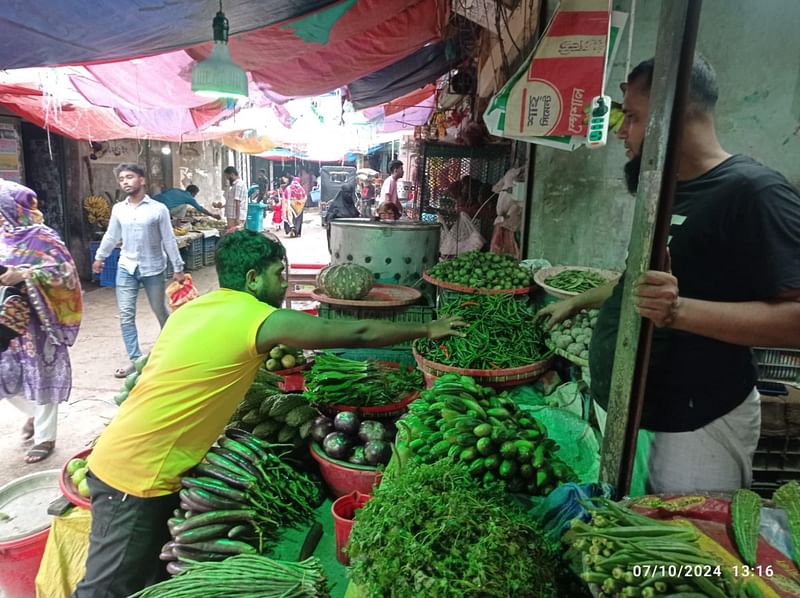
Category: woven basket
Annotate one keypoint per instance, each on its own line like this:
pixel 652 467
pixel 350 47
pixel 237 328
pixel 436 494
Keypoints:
pixel 498 378
pixel 472 291
pixel 568 356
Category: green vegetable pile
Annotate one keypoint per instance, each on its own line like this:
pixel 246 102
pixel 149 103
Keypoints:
pixel 574 335
pixel 334 380
pixel 787 497
pixel 575 281
pixel 460 421
pixel 245 576
pixel 235 501
pixel 480 270
pixel 432 533
pixel 500 333
pixel 619 543
pixel 277 418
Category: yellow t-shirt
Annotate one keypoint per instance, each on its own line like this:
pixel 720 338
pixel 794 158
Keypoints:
pixel 199 370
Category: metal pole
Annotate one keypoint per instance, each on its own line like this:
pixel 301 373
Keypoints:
pixel 678 24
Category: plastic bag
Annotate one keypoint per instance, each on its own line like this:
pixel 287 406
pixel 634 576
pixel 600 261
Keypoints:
pixel 180 293
pixel 463 236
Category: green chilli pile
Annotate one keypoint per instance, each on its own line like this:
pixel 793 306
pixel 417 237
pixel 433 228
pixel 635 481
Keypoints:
pixel 575 281
pixel 501 333
pixel 481 270
pixel 236 501
pixel 465 423
pixel 244 576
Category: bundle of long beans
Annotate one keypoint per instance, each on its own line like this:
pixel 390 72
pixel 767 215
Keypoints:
pixel 501 333
pixel 244 576
pixel 334 380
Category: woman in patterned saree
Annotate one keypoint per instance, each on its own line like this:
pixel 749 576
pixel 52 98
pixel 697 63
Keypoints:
pixel 35 370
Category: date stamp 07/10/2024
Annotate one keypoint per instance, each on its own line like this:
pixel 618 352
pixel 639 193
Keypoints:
pixel 681 570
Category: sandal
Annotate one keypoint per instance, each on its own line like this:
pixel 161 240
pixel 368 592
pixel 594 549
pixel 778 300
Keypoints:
pixel 27 430
pixel 40 452
pixel 124 372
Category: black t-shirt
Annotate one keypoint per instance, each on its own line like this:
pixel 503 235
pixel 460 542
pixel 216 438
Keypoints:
pixel 735 236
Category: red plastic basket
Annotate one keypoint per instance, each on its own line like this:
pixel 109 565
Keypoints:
pixel 343 477
pixel 498 378
pixel 472 291
pixel 344 510
pixel 68 488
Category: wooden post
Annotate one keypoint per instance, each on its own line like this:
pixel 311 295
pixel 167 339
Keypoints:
pixel 678 24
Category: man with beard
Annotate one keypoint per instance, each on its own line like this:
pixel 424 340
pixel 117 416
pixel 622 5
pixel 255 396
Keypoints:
pixel 734 284
pixel 144 227
pixel 201 366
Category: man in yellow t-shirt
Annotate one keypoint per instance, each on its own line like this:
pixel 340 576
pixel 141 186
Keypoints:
pixel 199 370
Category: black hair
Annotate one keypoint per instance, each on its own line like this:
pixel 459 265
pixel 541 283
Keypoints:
pixel 703 86
pixel 193 189
pixel 244 250
pixel 231 170
pixel 130 167
pixel 394 164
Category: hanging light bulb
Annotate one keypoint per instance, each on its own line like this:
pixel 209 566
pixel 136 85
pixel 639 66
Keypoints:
pixel 218 76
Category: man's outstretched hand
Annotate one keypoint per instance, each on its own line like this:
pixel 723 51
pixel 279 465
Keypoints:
pixel 446 327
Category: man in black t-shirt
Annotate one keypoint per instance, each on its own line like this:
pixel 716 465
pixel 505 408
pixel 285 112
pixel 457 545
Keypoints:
pixel 734 284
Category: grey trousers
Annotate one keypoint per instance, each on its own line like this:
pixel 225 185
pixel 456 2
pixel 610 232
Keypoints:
pixel 126 539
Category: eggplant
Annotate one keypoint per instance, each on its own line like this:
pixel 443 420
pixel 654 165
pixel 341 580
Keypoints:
pixel 321 427
pixel 358 457
pixel 371 430
pixel 377 452
pixel 337 445
pixel 346 422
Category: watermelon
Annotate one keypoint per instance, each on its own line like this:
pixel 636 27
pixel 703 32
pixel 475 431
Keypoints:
pixel 345 281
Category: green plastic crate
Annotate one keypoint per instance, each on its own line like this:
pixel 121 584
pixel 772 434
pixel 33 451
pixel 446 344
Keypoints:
pixel 411 313
pixel 403 356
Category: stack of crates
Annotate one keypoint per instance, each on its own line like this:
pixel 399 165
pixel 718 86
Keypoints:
pixel 777 456
pixel 209 250
pixel 108 276
pixel 399 353
pixel 192 255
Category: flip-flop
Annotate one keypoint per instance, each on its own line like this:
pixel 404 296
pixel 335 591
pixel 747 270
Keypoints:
pixel 40 452
pixel 27 430
pixel 124 372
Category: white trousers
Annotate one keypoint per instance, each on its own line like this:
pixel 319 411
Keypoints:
pixel 717 457
pixel 45 418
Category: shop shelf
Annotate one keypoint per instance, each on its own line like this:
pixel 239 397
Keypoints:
pixel 778 365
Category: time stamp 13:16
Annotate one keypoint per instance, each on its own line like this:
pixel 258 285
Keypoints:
pixel 700 571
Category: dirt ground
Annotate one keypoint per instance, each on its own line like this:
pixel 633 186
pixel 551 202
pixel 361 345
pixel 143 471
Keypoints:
pixel 99 351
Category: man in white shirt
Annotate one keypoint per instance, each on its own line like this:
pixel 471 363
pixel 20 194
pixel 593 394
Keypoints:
pixel 144 227
pixel 389 207
pixel 235 198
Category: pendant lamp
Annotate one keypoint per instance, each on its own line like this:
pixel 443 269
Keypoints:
pixel 218 76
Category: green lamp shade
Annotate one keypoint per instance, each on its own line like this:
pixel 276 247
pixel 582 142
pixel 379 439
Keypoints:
pixel 218 76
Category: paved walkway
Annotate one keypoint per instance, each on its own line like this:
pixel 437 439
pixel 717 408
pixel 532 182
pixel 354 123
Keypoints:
pixel 99 351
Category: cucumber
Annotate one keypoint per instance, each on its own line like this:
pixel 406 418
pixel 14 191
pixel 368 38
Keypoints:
pixel 416 444
pixel 508 468
pixel 492 462
pixel 508 449
pixel 435 438
pixel 453 451
pixel 485 446
pixel 489 477
pixel 482 430
pixel 468 454
pixel 526 471
pixel 477 468
pixel 466 439
pixel 499 413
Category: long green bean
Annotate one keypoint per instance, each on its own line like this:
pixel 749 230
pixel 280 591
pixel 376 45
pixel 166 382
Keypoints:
pixel 575 281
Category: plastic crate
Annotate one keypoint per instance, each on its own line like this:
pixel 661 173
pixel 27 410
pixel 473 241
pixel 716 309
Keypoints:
pixel 210 250
pixel 108 276
pixel 389 354
pixel 412 313
pixel 778 365
pixel 192 255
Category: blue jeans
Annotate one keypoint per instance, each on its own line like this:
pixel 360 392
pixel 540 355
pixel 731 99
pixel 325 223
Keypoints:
pixel 127 293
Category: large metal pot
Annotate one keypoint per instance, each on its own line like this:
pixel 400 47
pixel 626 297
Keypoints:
pixel 396 252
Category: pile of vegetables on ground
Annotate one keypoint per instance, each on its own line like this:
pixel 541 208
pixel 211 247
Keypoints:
pixel 501 333
pixel 574 334
pixel 282 357
pixel 345 281
pixel 627 554
pixel 334 380
pixel 471 425
pixel 575 281
pixel 345 438
pixel 272 415
pixel 481 270
pixel 244 576
pixel 236 502
pixel 432 532
pixel 131 380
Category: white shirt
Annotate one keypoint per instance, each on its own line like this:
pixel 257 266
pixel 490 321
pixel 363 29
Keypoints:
pixel 146 233
pixel 389 188
pixel 236 192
